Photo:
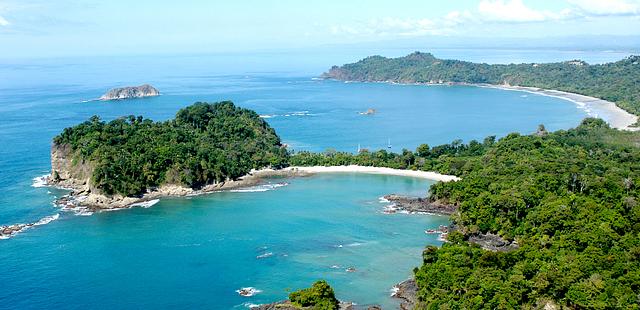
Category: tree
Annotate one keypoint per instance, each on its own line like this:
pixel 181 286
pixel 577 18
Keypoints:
pixel 319 296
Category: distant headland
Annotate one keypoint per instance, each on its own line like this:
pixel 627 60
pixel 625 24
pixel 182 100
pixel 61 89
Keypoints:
pixel 610 88
pixel 129 92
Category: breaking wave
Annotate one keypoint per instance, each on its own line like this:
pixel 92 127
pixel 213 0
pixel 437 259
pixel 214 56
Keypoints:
pixel 41 181
pixel 259 188
pixel 9 231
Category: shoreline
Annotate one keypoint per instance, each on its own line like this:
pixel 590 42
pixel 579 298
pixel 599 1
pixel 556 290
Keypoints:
pixel 430 175
pixel 84 202
pixel 615 116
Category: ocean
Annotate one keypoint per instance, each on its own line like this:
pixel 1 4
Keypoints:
pixel 196 252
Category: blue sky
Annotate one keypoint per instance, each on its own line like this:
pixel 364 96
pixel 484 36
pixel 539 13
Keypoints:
pixel 71 27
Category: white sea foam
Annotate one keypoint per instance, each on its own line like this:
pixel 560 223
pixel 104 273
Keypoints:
pixel 390 209
pixel 288 114
pixel 188 245
pixel 248 291
pixel 22 227
pixel 41 181
pixel 250 305
pixel 47 219
pixel 354 244
pixel 72 205
pixel 146 204
pixel 383 200
pixel 259 188
pixel 265 255
pixel 394 290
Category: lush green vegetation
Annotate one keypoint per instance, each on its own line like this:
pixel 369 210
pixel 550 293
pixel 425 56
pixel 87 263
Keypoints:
pixel 446 158
pixel 617 82
pixel 320 296
pixel 205 143
pixel 570 199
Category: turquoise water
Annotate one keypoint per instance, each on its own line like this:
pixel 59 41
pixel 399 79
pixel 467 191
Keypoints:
pixel 197 252
pixel 194 253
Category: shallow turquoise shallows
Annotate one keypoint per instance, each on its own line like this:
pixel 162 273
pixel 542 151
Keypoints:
pixel 194 253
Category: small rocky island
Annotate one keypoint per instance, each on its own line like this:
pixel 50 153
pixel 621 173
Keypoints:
pixel 122 93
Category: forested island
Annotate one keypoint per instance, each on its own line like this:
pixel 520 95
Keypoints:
pixel 617 82
pixel 205 144
pixel 569 199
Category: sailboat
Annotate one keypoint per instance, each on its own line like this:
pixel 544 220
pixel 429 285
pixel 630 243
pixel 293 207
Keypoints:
pixel 389 144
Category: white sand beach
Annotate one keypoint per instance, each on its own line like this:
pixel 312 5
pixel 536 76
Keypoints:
pixel 375 170
pixel 607 110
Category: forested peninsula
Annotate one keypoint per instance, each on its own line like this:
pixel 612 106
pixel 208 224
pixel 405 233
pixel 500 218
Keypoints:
pixel 206 144
pixel 616 82
pixel 569 199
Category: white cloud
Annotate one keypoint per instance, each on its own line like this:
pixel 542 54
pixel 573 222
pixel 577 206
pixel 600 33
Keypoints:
pixel 607 7
pixel 3 21
pixel 488 12
pixel 510 11
pixel 390 27
pixel 455 18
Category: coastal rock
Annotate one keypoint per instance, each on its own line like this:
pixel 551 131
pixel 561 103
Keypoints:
pixel 368 112
pixel 418 205
pixel 407 292
pixel 8 231
pixel 67 172
pixel 141 91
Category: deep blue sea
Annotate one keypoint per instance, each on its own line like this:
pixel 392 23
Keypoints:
pixel 195 252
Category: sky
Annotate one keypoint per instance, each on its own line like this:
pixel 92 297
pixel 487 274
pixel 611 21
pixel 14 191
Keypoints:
pixel 41 28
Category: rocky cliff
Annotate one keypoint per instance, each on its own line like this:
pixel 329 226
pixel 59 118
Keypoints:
pixel 71 172
pixel 145 90
pixel 66 171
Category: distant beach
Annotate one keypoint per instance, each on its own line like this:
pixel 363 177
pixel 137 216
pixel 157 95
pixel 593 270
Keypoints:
pixel 607 110
pixel 376 170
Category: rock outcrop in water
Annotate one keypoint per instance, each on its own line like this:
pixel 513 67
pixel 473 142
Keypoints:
pixel 141 91
pixel 418 205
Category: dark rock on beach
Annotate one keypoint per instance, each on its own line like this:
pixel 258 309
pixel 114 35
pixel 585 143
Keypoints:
pixel 141 91
pixel 419 205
